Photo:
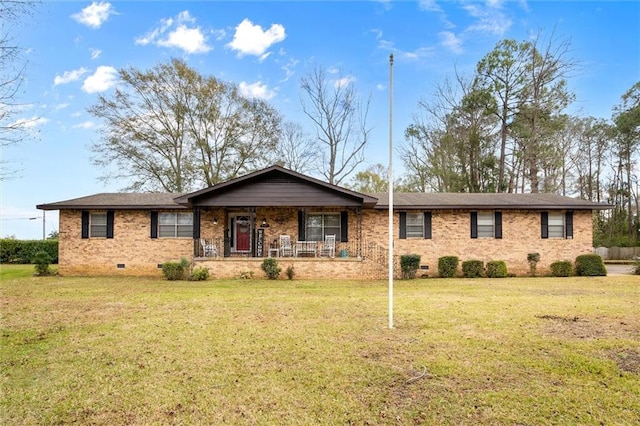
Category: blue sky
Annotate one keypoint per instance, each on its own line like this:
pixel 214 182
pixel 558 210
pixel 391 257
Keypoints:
pixel 74 49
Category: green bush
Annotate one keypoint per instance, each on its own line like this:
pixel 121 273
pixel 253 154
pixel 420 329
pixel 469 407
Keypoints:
pixel 270 267
pixel 199 274
pixel 409 264
pixel 472 268
pixel 496 269
pixel 561 268
pixel 24 251
pixel 590 265
pixel 290 272
pixel 448 266
pixel 175 270
pixel 42 260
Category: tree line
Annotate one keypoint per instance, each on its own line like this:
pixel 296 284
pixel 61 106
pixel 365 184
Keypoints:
pixel 505 129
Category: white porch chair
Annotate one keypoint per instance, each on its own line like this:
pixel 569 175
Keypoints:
pixel 329 248
pixel 209 249
pixel 286 249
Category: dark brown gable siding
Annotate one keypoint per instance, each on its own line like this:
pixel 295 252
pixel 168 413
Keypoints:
pixel 277 192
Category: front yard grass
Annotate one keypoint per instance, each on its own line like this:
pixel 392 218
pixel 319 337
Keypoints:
pixel 484 351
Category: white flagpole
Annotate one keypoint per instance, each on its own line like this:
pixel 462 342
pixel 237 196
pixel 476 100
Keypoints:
pixel 391 191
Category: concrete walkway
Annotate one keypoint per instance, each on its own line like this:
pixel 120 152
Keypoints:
pixel 618 269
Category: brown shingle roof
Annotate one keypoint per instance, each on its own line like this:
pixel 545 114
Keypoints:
pixel 120 200
pixel 401 200
pixel 434 201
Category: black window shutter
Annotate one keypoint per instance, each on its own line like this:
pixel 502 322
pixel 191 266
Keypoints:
pixel 403 225
pixel 344 226
pixel 154 224
pixel 544 225
pixel 474 224
pixel 301 226
pixel 110 220
pixel 427 225
pixel 85 224
pixel 196 223
pixel 568 224
pixel 497 217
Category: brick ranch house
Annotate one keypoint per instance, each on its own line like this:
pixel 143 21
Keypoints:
pixel 231 227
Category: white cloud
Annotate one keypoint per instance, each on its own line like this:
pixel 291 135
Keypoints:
pixel 191 40
pixel 61 106
pixel 250 39
pixel 179 32
pixel 29 123
pixel 450 41
pixel 69 76
pixel 95 53
pixel 256 90
pixel 380 87
pixel 84 125
pixel 429 5
pixel 409 55
pixel 103 79
pixel 489 19
pixel 288 69
pixel 94 15
pixel 343 82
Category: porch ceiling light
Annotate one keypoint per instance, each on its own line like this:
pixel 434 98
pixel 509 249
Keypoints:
pixel 215 220
pixel 264 223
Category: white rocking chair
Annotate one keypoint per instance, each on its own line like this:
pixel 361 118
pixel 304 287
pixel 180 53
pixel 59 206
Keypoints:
pixel 208 249
pixel 286 250
pixel 329 248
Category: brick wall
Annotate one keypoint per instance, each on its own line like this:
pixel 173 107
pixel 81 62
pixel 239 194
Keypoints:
pixel 451 237
pixel 133 247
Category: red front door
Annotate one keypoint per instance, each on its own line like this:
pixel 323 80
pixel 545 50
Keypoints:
pixel 243 233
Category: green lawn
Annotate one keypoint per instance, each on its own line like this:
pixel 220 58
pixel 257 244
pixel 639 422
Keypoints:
pixel 525 351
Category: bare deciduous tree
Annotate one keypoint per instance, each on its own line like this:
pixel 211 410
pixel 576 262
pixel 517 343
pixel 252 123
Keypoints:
pixel 340 121
pixel 12 74
pixel 172 129
pixel 296 150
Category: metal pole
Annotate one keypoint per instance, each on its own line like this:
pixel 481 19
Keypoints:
pixel 391 191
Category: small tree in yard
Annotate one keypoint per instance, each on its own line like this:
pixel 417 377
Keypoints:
pixel 42 260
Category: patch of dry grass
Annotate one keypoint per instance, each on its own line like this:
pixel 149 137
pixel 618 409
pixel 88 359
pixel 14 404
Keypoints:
pixel 140 351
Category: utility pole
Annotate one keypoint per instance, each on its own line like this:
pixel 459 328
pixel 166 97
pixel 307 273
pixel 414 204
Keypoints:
pixel 391 191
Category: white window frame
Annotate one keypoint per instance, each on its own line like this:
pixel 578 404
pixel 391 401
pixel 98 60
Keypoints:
pixel 486 224
pixel 98 225
pixel 175 225
pixel 555 225
pixel 415 225
pixel 322 229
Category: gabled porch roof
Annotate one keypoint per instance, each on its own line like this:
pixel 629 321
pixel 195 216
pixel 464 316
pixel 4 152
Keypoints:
pixel 275 186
